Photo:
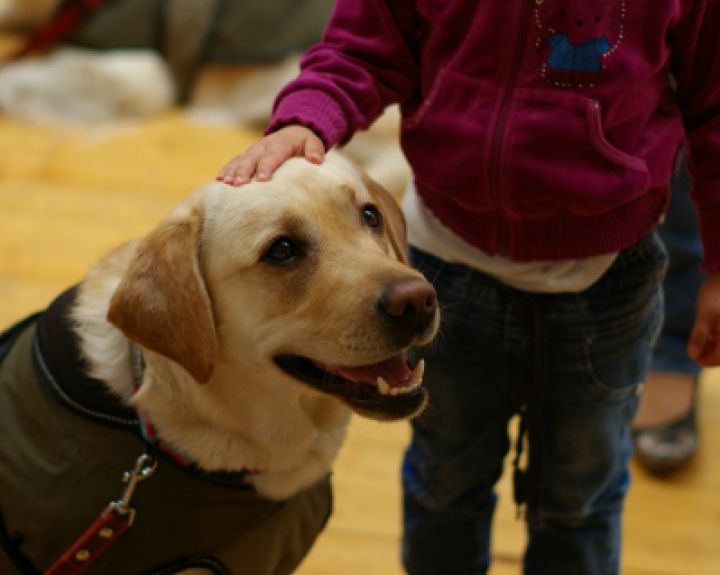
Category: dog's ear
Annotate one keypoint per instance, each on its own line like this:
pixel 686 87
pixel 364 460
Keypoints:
pixel 394 218
pixel 162 302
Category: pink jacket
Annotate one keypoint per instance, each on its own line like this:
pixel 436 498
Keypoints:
pixel 538 129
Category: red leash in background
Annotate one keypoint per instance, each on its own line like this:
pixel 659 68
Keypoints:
pixel 64 22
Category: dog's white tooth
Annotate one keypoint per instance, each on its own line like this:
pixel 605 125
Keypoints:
pixel 419 371
pixel 413 386
pixel 383 386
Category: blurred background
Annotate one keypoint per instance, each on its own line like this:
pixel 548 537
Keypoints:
pixel 106 123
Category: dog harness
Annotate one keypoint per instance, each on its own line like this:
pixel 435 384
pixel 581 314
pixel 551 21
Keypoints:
pixel 65 442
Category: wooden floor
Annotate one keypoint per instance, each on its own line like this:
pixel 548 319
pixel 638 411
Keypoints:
pixel 68 195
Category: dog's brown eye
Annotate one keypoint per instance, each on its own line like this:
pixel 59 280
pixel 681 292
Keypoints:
pixel 282 251
pixel 372 216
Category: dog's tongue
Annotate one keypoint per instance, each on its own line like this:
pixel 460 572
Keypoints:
pixel 395 371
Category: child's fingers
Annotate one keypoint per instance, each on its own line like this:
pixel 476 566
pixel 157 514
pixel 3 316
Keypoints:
pixel 704 344
pixel 231 170
pixel 711 355
pixel 314 150
pixel 230 173
pixel 696 344
pixel 226 170
pixel 262 159
pixel 241 169
pixel 246 166
pixel 271 161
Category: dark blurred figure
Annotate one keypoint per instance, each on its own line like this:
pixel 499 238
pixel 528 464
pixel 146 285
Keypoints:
pixel 665 430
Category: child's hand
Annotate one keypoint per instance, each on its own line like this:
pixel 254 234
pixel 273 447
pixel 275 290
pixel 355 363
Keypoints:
pixel 704 344
pixel 263 158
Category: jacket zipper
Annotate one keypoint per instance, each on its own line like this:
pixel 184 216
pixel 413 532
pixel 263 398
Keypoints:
pixel 502 118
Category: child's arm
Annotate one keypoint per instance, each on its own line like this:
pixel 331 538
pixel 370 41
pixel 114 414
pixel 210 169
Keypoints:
pixel 696 66
pixel 366 61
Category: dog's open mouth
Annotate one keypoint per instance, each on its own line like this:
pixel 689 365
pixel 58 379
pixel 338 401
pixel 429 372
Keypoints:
pixel 390 389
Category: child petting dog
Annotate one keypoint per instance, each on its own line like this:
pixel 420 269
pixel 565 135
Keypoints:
pixel 542 135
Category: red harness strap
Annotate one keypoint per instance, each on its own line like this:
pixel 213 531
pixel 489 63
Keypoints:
pixel 60 26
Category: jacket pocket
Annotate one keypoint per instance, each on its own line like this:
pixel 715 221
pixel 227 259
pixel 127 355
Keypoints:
pixel 445 139
pixel 556 156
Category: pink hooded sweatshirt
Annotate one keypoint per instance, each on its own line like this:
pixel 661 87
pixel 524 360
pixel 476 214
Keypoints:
pixel 536 129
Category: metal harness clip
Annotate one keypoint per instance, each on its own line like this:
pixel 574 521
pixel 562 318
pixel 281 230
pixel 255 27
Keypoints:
pixel 144 467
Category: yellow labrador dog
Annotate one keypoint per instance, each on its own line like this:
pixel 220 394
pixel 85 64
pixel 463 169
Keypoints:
pixel 240 335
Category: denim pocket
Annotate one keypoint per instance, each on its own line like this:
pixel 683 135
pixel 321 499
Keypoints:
pixel 557 156
pixel 618 320
pixel 617 355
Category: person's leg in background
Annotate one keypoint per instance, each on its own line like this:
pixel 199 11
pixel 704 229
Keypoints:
pixel 665 430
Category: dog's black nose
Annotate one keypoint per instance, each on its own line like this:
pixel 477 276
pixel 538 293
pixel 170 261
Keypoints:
pixel 410 304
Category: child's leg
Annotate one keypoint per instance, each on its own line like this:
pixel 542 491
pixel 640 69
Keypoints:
pixel 459 444
pixel 600 347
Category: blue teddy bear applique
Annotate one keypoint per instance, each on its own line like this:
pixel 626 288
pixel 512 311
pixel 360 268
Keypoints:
pixel 585 57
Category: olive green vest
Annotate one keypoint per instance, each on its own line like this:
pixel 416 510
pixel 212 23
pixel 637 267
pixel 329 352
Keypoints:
pixel 60 469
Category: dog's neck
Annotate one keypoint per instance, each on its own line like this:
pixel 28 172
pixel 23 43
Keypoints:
pixel 289 439
pixel 233 421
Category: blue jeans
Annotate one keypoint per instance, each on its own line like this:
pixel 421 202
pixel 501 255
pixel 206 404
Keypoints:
pixel 680 235
pixel 597 350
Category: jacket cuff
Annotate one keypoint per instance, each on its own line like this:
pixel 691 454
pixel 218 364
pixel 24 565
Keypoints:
pixel 710 235
pixel 314 109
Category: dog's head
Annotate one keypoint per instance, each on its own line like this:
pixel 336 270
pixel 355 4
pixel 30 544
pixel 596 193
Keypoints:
pixel 303 277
